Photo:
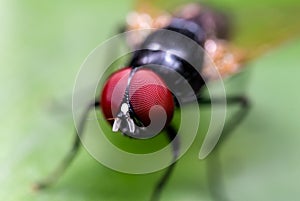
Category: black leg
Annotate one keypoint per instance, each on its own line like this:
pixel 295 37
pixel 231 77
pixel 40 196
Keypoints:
pixel 236 119
pixel 54 176
pixel 214 169
pixel 215 179
pixel 163 181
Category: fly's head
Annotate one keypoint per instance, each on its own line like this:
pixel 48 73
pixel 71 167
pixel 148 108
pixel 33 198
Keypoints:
pixel 137 102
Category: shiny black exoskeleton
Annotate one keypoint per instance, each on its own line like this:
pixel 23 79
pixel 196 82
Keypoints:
pixel 171 54
pixel 178 48
pixel 176 54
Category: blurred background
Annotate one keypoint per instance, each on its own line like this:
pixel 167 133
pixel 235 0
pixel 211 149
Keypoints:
pixel 43 44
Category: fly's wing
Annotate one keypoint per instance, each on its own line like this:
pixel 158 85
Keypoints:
pixel 256 31
pixel 257 28
pixel 261 28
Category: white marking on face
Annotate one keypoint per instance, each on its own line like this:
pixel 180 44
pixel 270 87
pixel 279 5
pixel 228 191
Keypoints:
pixel 124 108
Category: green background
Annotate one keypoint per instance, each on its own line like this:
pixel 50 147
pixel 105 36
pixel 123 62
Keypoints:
pixel 43 44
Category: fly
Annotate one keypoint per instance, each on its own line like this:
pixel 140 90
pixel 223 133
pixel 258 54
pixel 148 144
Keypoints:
pixel 159 73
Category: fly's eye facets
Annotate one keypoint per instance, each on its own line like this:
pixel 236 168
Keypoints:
pixel 146 90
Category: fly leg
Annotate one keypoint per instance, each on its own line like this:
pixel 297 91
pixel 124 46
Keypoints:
pixel 171 134
pixel 214 169
pixel 65 163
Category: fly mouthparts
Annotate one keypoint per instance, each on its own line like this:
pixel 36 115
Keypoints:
pixel 117 124
pixel 124 116
pixel 131 125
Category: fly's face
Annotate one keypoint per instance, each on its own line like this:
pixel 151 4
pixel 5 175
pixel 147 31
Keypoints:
pixel 137 102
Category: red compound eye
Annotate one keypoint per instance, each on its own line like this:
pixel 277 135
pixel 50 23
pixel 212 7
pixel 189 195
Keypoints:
pixel 146 90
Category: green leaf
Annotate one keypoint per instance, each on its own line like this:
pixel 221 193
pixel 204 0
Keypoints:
pixel 42 47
